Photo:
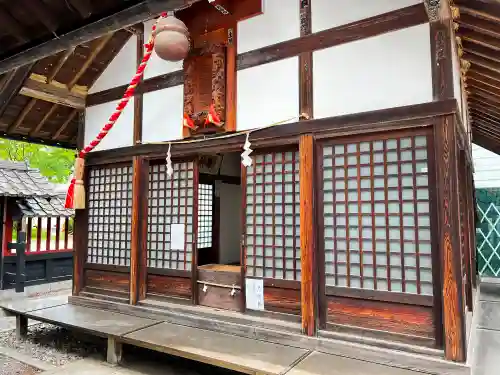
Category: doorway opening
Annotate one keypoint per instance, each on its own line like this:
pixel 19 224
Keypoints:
pixel 219 231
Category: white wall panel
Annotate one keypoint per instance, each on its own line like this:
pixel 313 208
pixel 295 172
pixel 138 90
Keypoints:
pixel 121 69
pixel 279 22
pixel 122 133
pixel 162 115
pixel 486 167
pixel 157 66
pixel 267 94
pixel 332 13
pixel 385 71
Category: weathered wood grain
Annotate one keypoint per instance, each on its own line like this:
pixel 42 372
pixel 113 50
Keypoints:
pixel 307 231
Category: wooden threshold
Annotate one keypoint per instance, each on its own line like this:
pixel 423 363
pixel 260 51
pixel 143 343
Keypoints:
pixel 284 333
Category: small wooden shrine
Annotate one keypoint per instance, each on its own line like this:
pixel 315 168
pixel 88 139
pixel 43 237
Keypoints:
pixel 334 190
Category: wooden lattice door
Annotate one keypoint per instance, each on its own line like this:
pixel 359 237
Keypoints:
pixel 172 229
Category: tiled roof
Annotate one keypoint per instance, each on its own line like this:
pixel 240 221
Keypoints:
pixel 18 180
pixel 40 207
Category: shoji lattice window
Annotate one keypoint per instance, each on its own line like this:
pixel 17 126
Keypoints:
pixel 110 213
pixel 272 234
pixel 170 202
pixel 205 213
pixel 376 215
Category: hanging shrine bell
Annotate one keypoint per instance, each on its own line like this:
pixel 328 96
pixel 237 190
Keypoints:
pixel 171 39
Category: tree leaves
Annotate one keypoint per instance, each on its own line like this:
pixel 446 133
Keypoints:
pixel 54 163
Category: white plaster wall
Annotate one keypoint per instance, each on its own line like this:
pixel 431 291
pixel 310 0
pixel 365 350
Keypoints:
pixel 332 13
pixel 162 114
pixel 121 69
pixel 486 167
pixel 267 94
pixel 122 133
pixel 279 22
pixel 230 223
pixel 157 66
pixel 385 71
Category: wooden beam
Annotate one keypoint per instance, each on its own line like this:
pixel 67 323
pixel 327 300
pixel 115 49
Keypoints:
pixel 129 16
pixel 481 51
pixel 50 112
pixel 53 94
pixel 307 234
pixel 305 65
pixel 12 84
pixel 479 39
pixel 377 25
pixel 65 124
pixel 449 239
pixel 478 13
pixel 480 26
pixel 138 99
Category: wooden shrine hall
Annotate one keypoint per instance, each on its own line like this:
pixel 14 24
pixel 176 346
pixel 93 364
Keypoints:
pixel 302 179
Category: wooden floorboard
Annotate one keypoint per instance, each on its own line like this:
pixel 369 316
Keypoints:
pixel 228 351
pixel 23 305
pixel 99 322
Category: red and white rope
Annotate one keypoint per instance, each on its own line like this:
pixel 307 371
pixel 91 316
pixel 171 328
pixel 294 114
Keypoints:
pixel 127 95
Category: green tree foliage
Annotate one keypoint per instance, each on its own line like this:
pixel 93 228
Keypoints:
pixel 54 163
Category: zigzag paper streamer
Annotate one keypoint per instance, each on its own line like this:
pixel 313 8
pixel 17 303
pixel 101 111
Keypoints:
pixel 170 170
pixel 246 160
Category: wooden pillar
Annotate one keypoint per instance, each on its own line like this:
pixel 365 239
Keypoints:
pixel 80 224
pixel 138 99
pixel 307 234
pixel 231 72
pixel 305 65
pixel 138 245
pixel 449 239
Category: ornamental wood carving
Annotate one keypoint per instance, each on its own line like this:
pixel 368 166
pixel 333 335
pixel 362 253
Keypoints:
pixel 205 87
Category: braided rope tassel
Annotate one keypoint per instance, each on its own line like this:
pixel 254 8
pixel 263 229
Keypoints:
pixel 75 197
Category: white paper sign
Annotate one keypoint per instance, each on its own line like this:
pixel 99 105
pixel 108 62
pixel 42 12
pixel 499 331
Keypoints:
pixel 177 236
pixel 254 291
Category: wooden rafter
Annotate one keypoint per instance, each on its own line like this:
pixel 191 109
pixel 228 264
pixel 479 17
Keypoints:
pixel 12 84
pixel 63 127
pixel 39 126
pixel 62 60
pixel 52 93
pixel 43 14
pixel 133 14
pixel 10 23
pixel 83 7
pixel 20 119
pixel 90 59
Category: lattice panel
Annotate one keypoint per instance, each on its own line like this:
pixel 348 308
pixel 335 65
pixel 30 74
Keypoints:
pixel 110 215
pixel 272 234
pixel 376 215
pixel 205 212
pixel 488 232
pixel 170 201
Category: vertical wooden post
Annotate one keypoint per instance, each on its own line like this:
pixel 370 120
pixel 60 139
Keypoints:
pixel 29 229
pixel 3 237
pixel 49 234
pixel 80 223
pixel 449 238
pixel 307 231
pixel 305 65
pixel 138 99
pixel 231 71
pixel 137 273
pixel 58 232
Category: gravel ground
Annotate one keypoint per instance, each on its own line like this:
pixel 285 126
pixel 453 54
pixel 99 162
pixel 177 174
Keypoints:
pixel 9 366
pixel 53 344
